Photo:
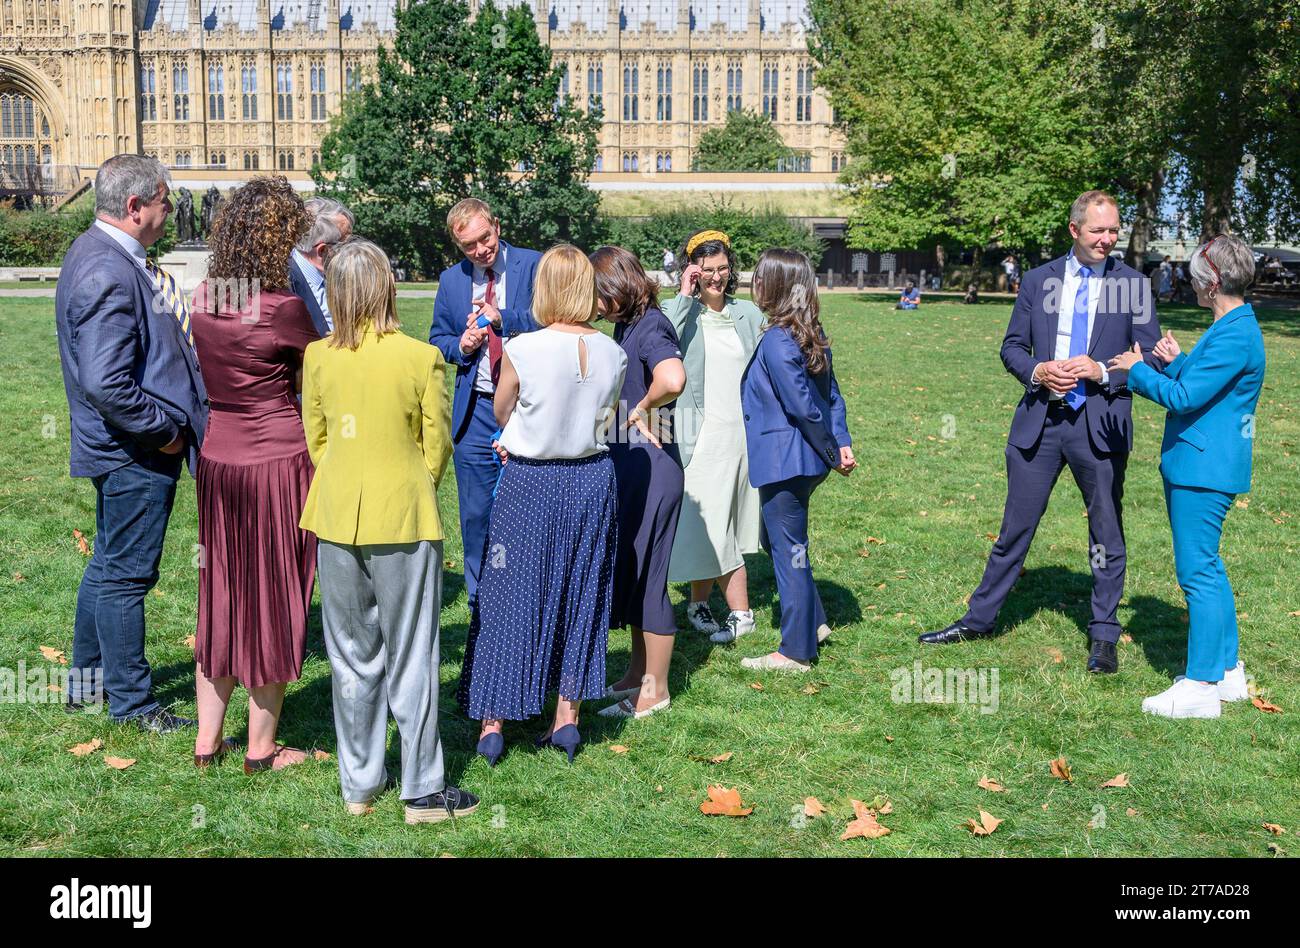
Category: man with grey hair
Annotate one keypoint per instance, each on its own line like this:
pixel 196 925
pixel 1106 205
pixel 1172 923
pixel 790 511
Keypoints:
pixel 331 223
pixel 137 406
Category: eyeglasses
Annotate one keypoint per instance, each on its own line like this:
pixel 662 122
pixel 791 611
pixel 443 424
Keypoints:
pixel 721 271
pixel 1205 252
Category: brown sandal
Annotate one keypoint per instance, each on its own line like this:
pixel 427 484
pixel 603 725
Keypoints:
pixel 255 765
pixel 207 760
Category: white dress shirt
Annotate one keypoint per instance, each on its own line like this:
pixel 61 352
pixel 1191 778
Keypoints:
pixel 1065 317
pixel 483 371
pixel 316 280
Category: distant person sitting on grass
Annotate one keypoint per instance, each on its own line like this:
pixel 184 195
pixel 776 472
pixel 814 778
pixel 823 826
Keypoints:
pixel 911 297
pixel 972 294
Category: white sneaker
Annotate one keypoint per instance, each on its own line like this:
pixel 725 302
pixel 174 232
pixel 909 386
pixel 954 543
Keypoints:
pixel 823 633
pixel 1185 699
pixel 627 709
pixel 777 662
pixel 738 624
pixel 1233 686
pixel 612 692
pixel 702 618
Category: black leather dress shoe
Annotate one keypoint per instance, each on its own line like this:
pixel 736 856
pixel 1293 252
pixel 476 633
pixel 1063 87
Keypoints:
pixel 1102 660
pixel 957 632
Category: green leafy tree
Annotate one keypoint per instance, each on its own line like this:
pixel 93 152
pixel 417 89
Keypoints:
pixel 460 108
pixel 751 233
pixel 747 142
pixel 964 130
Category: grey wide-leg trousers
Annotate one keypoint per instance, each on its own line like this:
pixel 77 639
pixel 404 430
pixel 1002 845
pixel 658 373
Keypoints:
pixel 380 608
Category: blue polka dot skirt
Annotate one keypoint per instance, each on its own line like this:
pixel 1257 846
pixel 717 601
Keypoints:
pixel 541 623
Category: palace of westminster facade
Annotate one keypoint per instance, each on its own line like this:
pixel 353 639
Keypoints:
pixel 251 84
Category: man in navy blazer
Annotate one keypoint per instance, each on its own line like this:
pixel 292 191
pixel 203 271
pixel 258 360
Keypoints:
pixel 493 285
pixel 331 224
pixel 1072 315
pixel 137 406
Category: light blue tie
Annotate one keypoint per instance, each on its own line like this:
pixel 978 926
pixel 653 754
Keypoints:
pixel 1079 335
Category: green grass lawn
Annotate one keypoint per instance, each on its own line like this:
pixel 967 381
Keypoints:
pixel 896 549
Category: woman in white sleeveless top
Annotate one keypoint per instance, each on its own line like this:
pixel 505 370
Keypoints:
pixel 541 621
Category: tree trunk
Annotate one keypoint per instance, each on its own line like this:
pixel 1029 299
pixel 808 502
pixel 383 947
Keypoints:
pixel 940 258
pixel 1148 211
pixel 1216 217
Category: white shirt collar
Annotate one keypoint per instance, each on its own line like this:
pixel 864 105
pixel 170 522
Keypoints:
pixel 1072 266
pixel 124 240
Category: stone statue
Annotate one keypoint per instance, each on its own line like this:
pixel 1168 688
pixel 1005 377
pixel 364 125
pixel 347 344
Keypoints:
pixel 184 217
pixel 208 213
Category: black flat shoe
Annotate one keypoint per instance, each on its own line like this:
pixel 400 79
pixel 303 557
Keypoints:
pixel 957 632
pixel 1102 660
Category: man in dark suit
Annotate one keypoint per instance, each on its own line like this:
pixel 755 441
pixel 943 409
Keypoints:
pixel 137 406
pixel 1072 315
pixel 331 223
pixel 493 283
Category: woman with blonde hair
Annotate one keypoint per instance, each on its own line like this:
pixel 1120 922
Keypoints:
pixel 541 619
pixel 256 567
pixel 378 419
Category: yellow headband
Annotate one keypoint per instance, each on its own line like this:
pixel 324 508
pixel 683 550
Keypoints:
pixel 706 235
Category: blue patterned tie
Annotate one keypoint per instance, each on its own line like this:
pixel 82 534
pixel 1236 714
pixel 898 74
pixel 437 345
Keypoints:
pixel 1079 335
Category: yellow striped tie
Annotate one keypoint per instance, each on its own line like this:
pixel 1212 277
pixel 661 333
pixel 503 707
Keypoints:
pixel 166 286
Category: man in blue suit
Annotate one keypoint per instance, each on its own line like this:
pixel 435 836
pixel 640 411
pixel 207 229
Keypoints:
pixel 137 406
pixel 1071 316
pixel 331 224
pixel 494 285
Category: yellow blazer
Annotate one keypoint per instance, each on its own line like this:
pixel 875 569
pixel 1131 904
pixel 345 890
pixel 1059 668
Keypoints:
pixel 378 425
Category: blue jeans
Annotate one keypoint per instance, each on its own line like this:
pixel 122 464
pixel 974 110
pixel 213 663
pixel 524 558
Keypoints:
pixel 132 506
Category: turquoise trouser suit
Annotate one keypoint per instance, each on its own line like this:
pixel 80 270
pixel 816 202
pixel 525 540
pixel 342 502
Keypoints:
pixel 1210 394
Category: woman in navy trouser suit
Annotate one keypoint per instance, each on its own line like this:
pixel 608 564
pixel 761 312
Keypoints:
pixel 797 433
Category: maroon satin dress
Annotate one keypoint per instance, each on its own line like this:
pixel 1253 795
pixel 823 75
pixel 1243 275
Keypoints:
pixel 256 567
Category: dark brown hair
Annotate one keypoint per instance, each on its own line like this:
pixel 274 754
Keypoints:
pixel 785 289
pixel 622 284
pixel 255 229
pixel 708 248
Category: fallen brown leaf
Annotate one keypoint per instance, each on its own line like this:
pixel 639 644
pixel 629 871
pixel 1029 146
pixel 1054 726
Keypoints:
pixel 1274 829
pixel 810 689
pixel 1119 780
pixel 19 578
pixel 1266 706
pixel 82 546
pixel 321 755
pixel 756 685
pixel 889 739
pixel 119 763
pixel 81 750
pixel 1243 503
pixel 875 540
pixel 724 801
pixel 813 807
pixel 986 825
pixel 992 785
pixel 190 641
pixel 864 824
pixel 1061 770
pixel 1056 655
pixel 1125 637
pixel 617 749
pixel 1131 812
pixel 722 758
pixel 659 788
pixel 53 655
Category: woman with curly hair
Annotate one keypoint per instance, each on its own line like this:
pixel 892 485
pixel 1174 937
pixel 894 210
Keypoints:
pixel 798 434
pixel 719 520
pixel 256 567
